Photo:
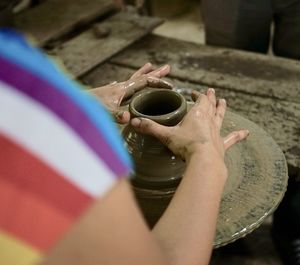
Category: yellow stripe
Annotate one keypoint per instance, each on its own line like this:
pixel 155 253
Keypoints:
pixel 15 252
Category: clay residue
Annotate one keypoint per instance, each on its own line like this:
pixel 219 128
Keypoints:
pixel 235 66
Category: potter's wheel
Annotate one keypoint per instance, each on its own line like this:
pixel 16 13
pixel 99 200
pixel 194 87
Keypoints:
pixel 256 184
pixel 257 181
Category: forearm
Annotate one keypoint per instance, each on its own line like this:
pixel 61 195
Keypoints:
pixel 187 228
pixel 112 231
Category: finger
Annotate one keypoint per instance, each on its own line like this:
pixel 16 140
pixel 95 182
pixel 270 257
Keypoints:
pixel 122 117
pixel 133 85
pixel 145 69
pixel 220 112
pixel 201 101
pixel 150 127
pixel 161 71
pixel 211 94
pixel 137 84
pixel 195 95
pixel 158 83
pixel 234 138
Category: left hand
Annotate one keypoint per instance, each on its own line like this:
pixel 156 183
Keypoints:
pixel 113 94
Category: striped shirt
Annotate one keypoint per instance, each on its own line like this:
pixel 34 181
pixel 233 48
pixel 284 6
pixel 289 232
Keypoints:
pixel 59 150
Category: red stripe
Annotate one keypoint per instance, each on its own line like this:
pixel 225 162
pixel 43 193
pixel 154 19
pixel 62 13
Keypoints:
pixel 29 219
pixel 23 169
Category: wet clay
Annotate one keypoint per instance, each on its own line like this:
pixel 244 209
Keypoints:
pixel 156 167
pixel 157 170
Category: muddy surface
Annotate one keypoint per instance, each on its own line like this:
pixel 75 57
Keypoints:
pixel 239 71
pixel 95 45
pixel 279 118
pixel 240 67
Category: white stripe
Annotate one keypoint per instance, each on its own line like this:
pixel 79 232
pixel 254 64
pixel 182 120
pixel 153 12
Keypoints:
pixel 36 128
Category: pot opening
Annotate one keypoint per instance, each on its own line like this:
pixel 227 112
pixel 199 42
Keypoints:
pixel 158 103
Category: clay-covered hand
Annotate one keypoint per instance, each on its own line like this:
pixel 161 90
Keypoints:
pixel 199 131
pixel 113 94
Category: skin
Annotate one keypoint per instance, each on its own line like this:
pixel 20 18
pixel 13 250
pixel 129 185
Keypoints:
pixel 186 230
pixel 112 230
pixel 113 94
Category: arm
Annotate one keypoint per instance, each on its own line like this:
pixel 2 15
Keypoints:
pixel 113 231
pixel 194 209
pixel 187 228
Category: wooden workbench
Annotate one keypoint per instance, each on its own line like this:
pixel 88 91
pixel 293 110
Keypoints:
pixel 263 89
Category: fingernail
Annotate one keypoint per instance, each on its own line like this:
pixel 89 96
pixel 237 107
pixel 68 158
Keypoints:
pixel 223 100
pixel 136 122
pixel 153 78
pixel 164 67
pixel 247 132
pixel 168 84
pixel 120 114
pixel 212 90
pixel 148 64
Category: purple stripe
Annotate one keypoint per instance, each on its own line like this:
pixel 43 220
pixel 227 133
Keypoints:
pixel 47 94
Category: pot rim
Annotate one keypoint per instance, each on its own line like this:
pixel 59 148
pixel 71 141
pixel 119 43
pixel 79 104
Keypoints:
pixel 158 118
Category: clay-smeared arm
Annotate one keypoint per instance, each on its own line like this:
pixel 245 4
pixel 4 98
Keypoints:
pixel 113 94
pixel 186 229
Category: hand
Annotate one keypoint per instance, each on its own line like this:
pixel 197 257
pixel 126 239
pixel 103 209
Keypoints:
pixel 199 131
pixel 113 94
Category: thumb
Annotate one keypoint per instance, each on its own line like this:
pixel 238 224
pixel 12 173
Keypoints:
pixel 150 127
pixel 122 117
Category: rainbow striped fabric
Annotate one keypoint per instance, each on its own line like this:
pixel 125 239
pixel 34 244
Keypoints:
pixel 59 150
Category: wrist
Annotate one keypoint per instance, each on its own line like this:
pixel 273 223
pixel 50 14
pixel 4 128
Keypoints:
pixel 209 162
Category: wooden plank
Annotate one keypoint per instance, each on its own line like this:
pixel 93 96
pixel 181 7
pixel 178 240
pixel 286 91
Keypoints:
pixel 85 51
pixel 54 18
pixel 279 118
pixel 239 71
pixel 106 73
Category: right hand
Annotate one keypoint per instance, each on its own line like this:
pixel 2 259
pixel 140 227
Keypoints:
pixel 199 131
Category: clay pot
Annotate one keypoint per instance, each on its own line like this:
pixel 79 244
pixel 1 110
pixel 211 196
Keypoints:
pixel 157 170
